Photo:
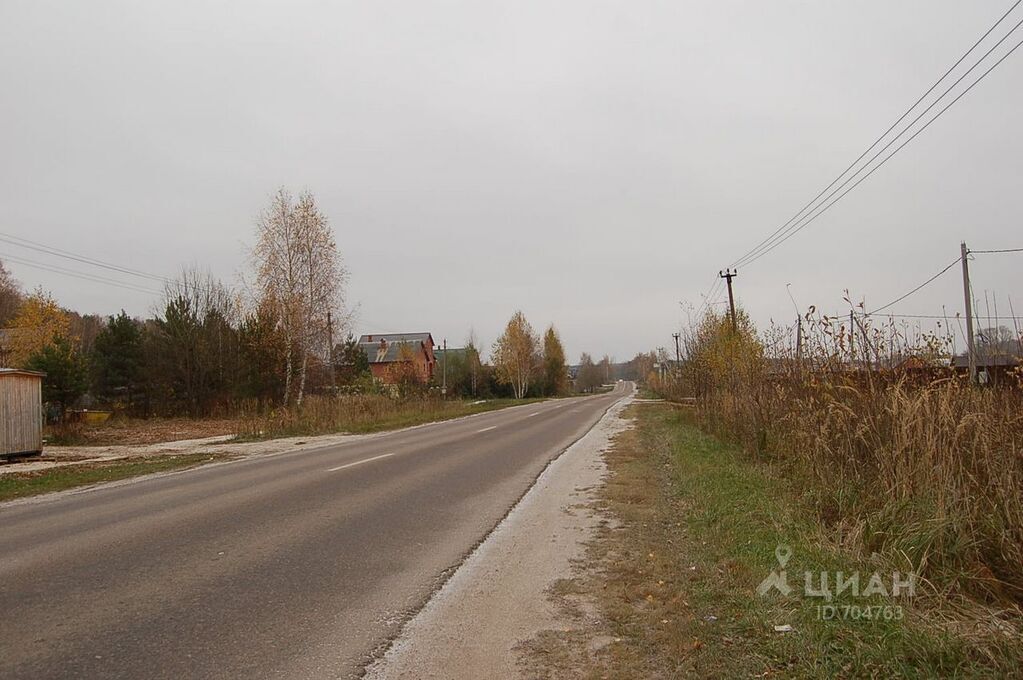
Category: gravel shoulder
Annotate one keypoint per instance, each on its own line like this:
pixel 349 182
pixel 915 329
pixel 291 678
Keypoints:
pixel 498 598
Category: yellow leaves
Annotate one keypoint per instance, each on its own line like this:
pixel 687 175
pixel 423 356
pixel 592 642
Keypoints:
pixel 38 321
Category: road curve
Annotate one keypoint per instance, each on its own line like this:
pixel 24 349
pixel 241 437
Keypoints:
pixel 301 564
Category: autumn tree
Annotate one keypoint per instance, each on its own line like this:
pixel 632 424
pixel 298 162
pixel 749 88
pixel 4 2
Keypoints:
pixel 405 372
pixel 555 376
pixel 10 296
pixel 300 276
pixel 38 321
pixel 515 354
pixel 590 375
pixel 262 356
pixel 607 369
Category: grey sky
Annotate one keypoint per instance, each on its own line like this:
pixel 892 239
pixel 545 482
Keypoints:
pixel 591 163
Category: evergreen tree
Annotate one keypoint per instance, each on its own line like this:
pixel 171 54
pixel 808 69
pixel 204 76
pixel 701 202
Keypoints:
pixel 66 372
pixel 117 360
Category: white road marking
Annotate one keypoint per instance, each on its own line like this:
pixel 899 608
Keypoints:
pixel 360 462
pixel 534 413
pixel 487 429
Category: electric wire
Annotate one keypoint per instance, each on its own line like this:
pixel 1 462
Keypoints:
pixel 766 245
pixel 51 250
pixel 95 278
pixel 906 295
pixel 822 210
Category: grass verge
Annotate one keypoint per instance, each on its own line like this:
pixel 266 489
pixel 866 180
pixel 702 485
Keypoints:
pixel 693 528
pixel 21 484
pixel 363 416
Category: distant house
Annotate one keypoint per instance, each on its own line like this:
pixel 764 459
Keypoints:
pixel 384 351
pixel 992 368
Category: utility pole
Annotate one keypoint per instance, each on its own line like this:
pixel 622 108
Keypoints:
pixel 678 353
pixel 799 342
pixel 728 275
pixel 970 351
pixel 444 384
pixel 852 339
pixel 330 350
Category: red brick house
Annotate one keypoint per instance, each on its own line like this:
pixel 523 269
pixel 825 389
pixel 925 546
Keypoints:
pixel 386 350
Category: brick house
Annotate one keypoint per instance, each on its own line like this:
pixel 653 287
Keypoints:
pixel 385 350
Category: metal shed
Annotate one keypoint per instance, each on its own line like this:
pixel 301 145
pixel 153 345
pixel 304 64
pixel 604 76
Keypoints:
pixel 21 412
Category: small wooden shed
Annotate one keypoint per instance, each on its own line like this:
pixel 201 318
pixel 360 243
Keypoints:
pixel 21 412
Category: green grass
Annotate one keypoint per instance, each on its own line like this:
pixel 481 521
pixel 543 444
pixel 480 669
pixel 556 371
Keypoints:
pixel 21 484
pixel 737 515
pixel 676 584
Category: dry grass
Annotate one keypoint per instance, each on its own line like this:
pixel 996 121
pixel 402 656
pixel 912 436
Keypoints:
pixel 123 430
pixel 692 528
pixel 922 469
pixel 360 414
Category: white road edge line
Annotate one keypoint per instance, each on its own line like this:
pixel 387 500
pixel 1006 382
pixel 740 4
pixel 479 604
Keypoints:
pixel 534 413
pixel 487 429
pixel 360 462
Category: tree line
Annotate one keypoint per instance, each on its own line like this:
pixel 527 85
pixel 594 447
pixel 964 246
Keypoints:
pixel 211 348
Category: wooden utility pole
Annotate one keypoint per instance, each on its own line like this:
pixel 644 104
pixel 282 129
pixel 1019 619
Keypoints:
pixel 678 353
pixel 852 339
pixel 970 351
pixel 799 341
pixel 330 350
pixel 728 275
pixel 444 384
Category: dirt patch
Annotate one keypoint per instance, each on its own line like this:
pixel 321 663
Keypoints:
pixel 135 432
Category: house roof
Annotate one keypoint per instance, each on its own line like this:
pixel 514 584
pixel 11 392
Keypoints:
pixel 20 371
pixel 962 361
pixel 386 348
pixel 397 337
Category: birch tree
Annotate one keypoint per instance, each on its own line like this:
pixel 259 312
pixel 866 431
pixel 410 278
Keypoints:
pixel 300 276
pixel 516 354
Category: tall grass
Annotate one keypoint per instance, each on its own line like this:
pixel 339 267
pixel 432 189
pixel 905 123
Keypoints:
pixel 357 413
pixel 915 466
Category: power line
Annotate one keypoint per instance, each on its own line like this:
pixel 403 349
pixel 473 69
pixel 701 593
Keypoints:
pixel 50 250
pixel 710 291
pixel 878 140
pixel 877 167
pixel 903 297
pixel 1000 250
pixel 945 317
pixel 786 230
pixel 80 275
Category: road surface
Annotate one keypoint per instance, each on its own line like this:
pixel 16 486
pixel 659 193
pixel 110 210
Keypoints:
pixel 301 564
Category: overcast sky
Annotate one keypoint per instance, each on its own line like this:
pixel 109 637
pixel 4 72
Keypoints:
pixel 592 163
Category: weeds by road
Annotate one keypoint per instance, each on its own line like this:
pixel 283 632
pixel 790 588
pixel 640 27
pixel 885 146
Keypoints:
pixel 21 484
pixel 694 527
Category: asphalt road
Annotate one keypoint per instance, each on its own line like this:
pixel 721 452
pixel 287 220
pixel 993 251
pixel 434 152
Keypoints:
pixel 300 564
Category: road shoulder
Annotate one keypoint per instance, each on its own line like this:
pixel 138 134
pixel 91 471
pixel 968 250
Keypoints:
pixel 499 597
